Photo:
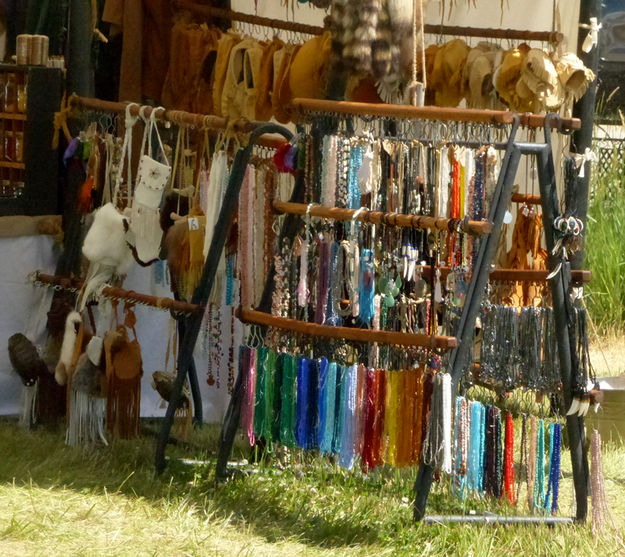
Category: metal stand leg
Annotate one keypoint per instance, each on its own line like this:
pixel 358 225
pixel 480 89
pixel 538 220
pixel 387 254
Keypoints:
pixel 202 292
pixel 461 356
pixel 563 314
pixel 233 414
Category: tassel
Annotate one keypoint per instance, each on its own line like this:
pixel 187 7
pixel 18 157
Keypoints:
pixel 600 509
pixel 348 454
pixel 269 388
pixel 28 405
pixel 476 452
pixel 276 365
pixel 322 400
pixel 301 431
pixel 86 419
pixel 260 391
pixel 417 434
pixel 247 357
pixel 446 386
pixel 327 422
pixel 368 459
pixel 378 426
pixel 553 489
pixel 341 394
pixel 539 481
pixel 531 462
pixel 288 391
pixel 509 460
pixel 393 402
pixel 361 402
pixel 313 408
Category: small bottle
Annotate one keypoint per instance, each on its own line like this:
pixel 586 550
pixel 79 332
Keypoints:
pixel 22 99
pixel 10 94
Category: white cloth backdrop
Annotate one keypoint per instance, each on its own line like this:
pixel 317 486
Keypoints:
pixel 23 311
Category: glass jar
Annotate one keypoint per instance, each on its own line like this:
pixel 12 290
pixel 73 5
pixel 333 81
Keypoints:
pixel 10 93
pixel 9 145
pixel 18 142
pixel 22 99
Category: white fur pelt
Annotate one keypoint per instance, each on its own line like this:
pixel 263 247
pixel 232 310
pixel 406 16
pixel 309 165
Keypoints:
pixel 105 243
pixel 64 365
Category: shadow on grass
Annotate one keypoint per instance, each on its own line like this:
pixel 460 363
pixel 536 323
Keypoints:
pixel 310 502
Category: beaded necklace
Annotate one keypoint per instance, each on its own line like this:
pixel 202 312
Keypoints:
pixel 539 482
pixel 288 409
pixel 327 423
pixel 460 446
pixel 531 462
pixel 509 460
pixel 553 487
pixel 476 446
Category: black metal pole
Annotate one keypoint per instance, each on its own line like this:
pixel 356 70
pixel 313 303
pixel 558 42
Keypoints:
pixel 79 70
pixel 562 311
pixel 584 109
pixel 203 291
pixel 233 414
pixel 459 358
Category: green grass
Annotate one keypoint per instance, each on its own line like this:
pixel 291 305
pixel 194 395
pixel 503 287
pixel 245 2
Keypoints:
pixel 56 500
pixel 605 251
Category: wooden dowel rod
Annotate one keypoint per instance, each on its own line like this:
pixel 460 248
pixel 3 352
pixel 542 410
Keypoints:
pixel 483 32
pixel 348 333
pixel 174 116
pixel 121 293
pixel 405 111
pixel 489 33
pixel 431 113
pixel 209 11
pixel 378 217
pixel 527 198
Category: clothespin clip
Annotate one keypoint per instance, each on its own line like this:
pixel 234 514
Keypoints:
pixel 60 123
pixel 592 39
pixel 581 160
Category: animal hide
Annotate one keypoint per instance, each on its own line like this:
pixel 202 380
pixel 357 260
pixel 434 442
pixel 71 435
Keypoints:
pixel 64 366
pixel 105 243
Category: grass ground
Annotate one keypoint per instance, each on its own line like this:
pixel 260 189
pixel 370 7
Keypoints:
pixel 56 500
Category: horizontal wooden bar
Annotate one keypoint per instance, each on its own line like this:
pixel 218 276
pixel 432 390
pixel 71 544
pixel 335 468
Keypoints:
pixel 348 333
pixel 120 293
pixel 490 33
pixel 14 165
pixel 379 217
pixel 526 198
pixel 482 32
pixel 221 13
pixel 404 111
pixel 13 116
pixel 433 113
pixel 179 117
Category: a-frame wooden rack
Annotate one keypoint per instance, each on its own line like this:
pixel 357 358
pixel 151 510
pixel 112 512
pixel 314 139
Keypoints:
pixel 460 346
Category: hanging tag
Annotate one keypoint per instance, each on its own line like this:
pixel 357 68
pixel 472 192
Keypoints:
pixel 194 223
pixel 507 219
pixel 438 292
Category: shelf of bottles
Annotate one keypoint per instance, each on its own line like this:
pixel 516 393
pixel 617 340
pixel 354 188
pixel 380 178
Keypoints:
pixel 13 105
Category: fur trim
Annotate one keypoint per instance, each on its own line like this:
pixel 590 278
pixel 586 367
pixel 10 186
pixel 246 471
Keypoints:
pixel 105 242
pixel 67 348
